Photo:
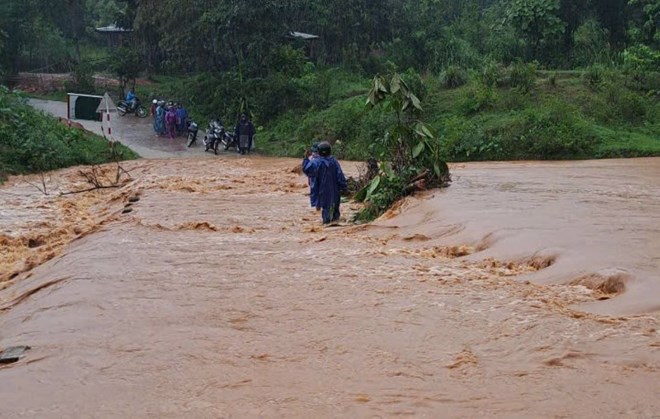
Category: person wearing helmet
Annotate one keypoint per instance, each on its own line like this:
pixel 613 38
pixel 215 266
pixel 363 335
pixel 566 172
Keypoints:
pixel 329 181
pixel 154 105
pixel 131 99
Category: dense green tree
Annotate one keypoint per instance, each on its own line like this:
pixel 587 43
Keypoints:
pixel 649 23
pixel 210 35
pixel 537 21
pixel 613 15
pixel 127 65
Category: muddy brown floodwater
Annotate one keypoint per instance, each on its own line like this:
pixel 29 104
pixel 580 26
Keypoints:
pixel 523 290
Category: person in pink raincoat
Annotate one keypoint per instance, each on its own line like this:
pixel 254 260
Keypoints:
pixel 170 122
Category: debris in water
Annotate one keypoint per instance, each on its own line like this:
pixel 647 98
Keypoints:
pixel 12 354
pixel 417 237
pixel 362 398
pixel 463 359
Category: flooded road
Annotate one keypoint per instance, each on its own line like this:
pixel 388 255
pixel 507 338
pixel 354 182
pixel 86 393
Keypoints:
pixel 596 223
pixel 220 295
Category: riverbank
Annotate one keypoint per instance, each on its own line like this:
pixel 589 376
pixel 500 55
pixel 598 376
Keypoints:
pixel 219 294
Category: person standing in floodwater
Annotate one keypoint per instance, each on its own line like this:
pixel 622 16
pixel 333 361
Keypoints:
pixel 244 134
pixel 330 181
pixel 311 180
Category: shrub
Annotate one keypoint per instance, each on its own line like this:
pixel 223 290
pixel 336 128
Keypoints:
pixel 453 77
pixel 522 76
pixel 477 98
pixel 466 140
pixel 287 60
pixel 514 100
pixel 399 52
pixel 492 74
pixel 617 104
pixel 553 132
pixel 594 76
pixel 83 79
pixel 641 58
pixel 591 43
pixel 632 108
pixel 641 64
pixel 451 50
pixel 410 155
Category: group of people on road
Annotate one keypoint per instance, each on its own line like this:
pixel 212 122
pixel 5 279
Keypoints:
pixel 170 119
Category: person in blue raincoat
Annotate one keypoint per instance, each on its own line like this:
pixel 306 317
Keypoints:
pixel 311 180
pixel 329 180
pixel 131 99
pixel 181 119
pixel 159 120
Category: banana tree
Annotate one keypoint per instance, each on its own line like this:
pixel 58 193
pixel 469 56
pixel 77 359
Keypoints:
pixel 412 153
pixel 409 142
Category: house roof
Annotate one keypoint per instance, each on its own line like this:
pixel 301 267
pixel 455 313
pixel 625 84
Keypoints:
pixel 302 35
pixel 113 29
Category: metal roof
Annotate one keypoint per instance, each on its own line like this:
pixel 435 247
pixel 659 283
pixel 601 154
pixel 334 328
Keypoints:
pixel 113 29
pixel 301 35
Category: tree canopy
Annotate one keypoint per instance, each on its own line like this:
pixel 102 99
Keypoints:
pixel 209 35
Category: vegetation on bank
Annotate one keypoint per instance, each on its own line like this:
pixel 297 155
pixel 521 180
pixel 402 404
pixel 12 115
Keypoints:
pixel 32 142
pixel 546 117
pixel 499 113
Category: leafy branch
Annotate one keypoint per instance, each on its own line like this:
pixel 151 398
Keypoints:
pixel 412 155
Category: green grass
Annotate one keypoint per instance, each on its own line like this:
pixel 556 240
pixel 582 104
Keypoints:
pixel 621 143
pixel 56 96
pixel 32 142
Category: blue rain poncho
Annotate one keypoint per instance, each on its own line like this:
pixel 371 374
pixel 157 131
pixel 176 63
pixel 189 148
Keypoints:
pixel 329 182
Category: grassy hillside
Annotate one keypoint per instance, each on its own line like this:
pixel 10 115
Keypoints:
pixel 554 116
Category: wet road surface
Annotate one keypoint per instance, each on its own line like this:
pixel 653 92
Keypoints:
pixel 136 133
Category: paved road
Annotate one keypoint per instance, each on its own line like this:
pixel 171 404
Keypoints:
pixel 133 132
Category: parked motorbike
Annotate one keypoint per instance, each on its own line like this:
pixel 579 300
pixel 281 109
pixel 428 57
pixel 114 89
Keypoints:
pixel 229 140
pixel 192 133
pixel 214 135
